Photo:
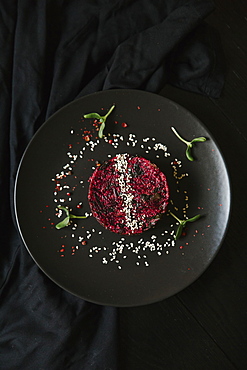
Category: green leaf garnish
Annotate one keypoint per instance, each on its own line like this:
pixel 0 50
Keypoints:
pixel 189 143
pixel 92 115
pixel 67 219
pixel 63 223
pixel 101 119
pixel 200 139
pixel 101 129
pixel 188 154
pixel 182 223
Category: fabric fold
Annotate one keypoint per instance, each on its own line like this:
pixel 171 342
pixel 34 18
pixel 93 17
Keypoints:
pixel 53 52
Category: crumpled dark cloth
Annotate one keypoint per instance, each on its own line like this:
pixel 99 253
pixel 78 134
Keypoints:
pixel 52 52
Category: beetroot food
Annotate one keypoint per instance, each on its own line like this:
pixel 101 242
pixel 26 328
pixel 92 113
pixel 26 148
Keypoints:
pixel 128 194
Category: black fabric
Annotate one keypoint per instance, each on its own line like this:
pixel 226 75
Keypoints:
pixel 52 52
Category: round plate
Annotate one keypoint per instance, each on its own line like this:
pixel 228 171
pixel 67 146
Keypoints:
pixel 96 264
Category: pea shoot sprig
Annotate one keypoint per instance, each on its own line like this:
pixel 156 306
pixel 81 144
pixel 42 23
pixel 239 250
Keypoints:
pixel 101 119
pixel 182 223
pixel 189 143
pixel 67 219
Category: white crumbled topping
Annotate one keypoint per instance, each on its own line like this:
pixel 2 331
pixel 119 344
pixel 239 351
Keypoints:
pixel 121 165
pixel 160 146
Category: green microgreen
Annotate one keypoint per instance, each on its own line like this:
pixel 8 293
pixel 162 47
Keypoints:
pixel 182 223
pixel 101 119
pixel 67 219
pixel 189 143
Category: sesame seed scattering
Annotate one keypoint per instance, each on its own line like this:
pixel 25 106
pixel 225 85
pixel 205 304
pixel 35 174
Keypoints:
pixel 80 237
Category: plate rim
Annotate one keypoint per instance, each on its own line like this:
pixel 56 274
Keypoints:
pixel 129 91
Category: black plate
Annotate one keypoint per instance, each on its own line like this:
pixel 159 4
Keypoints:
pixel 112 269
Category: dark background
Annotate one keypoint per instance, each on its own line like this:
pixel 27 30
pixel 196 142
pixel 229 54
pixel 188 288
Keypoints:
pixel 205 326
pixel 44 64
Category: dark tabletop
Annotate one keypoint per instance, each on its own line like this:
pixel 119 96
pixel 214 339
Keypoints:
pixel 205 325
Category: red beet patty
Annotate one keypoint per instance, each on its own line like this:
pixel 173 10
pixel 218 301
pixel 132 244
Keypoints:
pixel 128 194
